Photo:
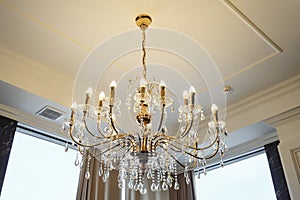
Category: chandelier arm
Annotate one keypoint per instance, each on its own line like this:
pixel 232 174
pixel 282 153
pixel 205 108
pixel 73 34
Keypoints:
pixel 186 131
pixel 161 118
pixel 200 148
pixel 172 156
pixel 113 147
pixel 99 128
pixel 88 130
pixel 111 119
pixel 155 141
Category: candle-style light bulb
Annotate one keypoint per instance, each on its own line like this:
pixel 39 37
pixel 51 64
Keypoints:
pixel 192 92
pixel 89 92
pixel 101 96
pixel 88 95
pixel 74 106
pixel 143 85
pixel 112 86
pixel 185 96
pixel 214 110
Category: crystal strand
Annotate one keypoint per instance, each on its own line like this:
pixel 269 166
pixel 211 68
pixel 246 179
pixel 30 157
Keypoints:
pixel 87 174
pixel 176 184
pixel 158 187
pixel 164 184
pixel 221 158
pixel 204 167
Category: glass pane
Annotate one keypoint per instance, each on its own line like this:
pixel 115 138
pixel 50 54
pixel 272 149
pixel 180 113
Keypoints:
pixel 247 179
pixel 38 169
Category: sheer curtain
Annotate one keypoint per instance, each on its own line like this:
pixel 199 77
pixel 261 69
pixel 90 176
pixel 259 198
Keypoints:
pixel 95 189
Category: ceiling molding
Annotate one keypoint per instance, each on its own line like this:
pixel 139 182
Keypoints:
pixel 285 117
pixel 265 96
pixel 277 49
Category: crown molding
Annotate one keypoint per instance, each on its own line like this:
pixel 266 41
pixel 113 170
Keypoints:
pixel 270 95
pixel 282 118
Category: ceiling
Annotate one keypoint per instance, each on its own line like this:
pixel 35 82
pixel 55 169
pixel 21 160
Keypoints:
pixel 249 45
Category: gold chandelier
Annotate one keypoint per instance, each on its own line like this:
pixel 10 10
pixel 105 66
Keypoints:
pixel 150 153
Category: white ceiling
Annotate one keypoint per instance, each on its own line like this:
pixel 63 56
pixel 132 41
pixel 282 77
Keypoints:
pixel 254 44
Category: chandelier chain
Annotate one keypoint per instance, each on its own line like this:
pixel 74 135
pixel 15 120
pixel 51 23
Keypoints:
pixel 143 28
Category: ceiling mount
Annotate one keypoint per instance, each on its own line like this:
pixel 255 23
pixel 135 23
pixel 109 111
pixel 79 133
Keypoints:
pixel 143 20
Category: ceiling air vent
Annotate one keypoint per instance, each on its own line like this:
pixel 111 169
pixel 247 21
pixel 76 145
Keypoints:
pixel 50 113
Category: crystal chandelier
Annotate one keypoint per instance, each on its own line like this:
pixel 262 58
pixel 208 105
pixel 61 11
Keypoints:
pixel 150 153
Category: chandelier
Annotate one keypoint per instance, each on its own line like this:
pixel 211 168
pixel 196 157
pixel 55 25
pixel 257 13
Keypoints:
pixel 152 152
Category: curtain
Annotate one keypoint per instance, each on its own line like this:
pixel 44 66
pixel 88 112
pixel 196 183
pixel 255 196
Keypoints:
pixel 7 133
pixel 279 182
pixel 94 188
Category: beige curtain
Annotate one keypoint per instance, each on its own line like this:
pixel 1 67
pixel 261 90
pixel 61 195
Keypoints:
pixel 94 188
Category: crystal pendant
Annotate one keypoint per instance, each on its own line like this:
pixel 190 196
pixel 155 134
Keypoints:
pixel 100 173
pixel 104 179
pixel 143 191
pixel 176 185
pixel 149 174
pixel 76 163
pixel 130 184
pixel 136 187
pixel 187 180
pixel 153 187
pixel 87 175
pixel 121 185
pixel 164 186
pixel 169 180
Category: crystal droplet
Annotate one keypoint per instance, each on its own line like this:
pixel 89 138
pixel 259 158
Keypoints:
pixel 198 175
pixel 176 185
pixel 143 191
pixel 164 186
pixel 140 186
pixel 63 128
pixel 100 173
pixel 169 180
pixel 205 171
pixel 81 164
pixel 121 185
pixel 76 163
pixel 130 184
pixel 158 187
pixel 187 180
pixel 104 179
pixel 87 175
pixel 153 187
pixel 149 174
pixel 66 147
pixel 136 187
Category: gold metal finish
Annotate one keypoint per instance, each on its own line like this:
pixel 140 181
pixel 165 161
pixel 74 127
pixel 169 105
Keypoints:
pixel 143 20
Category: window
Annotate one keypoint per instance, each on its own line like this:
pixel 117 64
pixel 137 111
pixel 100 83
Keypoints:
pixel 247 179
pixel 38 169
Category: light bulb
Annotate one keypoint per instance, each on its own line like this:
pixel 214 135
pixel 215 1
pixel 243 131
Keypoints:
pixel 89 92
pixel 192 90
pixel 113 84
pixel 214 108
pixel 185 94
pixel 143 83
pixel 101 96
pixel 162 84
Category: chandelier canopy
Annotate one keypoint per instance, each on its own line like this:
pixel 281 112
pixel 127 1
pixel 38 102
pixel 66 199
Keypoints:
pixel 152 152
